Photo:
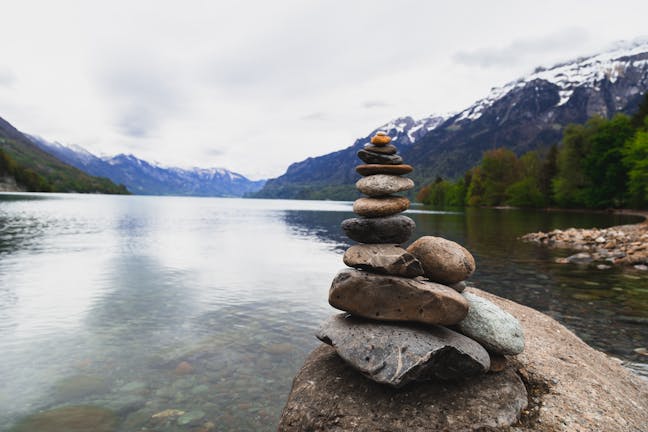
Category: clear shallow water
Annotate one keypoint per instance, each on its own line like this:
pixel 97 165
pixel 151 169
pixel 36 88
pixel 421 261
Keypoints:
pixel 205 305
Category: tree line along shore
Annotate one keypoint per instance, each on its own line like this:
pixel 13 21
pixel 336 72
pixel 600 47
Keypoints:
pixel 601 164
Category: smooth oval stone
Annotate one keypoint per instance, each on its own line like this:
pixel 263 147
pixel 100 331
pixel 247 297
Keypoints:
pixel 371 169
pixel 391 229
pixel 443 260
pixel 386 149
pixel 394 298
pixel 383 258
pixel 497 330
pixel 378 207
pixel 380 140
pixel 377 158
pixel 396 354
pixel 383 184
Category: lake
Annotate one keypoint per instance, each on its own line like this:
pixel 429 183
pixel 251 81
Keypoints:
pixel 208 305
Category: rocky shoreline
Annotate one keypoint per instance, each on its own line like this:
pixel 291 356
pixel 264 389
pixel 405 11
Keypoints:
pixel 625 245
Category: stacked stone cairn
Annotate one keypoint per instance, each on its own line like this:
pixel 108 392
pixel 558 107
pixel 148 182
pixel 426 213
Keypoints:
pixel 407 315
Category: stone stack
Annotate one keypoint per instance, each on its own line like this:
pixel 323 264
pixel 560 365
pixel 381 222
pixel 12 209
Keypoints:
pixel 400 302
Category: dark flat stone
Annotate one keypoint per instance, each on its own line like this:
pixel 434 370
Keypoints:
pixel 377 158
pixel 387 149
pixel 371 169
pixel 391 229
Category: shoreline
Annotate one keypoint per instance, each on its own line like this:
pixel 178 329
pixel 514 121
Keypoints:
pixel 623 245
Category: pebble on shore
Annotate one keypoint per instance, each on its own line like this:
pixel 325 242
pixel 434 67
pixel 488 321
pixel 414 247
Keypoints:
pixel 622 245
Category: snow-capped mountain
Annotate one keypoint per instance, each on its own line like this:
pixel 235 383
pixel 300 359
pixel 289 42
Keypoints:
pixel 590 72
pixel 526 114
pixel 329 176
pixel 145 178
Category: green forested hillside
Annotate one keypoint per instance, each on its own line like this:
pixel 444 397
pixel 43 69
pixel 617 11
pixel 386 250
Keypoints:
pixel 38 171
pixel 601 164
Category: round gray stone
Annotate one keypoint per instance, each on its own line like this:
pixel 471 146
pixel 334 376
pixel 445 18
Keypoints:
pixel 497 330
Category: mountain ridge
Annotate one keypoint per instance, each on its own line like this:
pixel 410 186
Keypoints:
pixel 525 114
pixel 36 170
pixel 149 178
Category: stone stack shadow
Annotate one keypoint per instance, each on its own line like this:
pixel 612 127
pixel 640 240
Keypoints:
pixel 407 316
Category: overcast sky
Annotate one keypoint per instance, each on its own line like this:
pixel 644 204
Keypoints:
pixel 253 86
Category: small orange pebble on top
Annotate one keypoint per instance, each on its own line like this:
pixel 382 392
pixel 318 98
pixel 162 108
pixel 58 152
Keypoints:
pixel 380 140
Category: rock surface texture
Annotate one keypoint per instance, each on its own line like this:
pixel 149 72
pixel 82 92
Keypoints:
pixel 396 355
pixel 572 388
pixel 394 298
pixel 329 395
pixel 443 260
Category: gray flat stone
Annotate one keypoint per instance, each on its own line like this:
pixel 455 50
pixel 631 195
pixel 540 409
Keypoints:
pixel 394 298
pixel 396 354
pixel 383 184
pixel 498 331
pixel 386 149
pixel 391 229
pixel 383 258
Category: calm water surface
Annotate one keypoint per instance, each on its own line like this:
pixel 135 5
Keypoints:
pixel 208 306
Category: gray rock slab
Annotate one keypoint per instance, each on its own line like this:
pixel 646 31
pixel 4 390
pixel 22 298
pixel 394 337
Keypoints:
pixel 391 229
pixel 383 184
pixel 383 258
pixel 497 330
pixel 396 354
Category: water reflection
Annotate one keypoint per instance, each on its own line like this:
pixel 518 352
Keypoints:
pixel 208 306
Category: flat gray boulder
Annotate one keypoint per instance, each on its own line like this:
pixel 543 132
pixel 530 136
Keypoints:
pixel 383 184
pixel 383 258
pixel 397 354
pixel 394 298
pixel 498 331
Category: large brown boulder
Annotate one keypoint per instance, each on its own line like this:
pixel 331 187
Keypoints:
pixel 571 387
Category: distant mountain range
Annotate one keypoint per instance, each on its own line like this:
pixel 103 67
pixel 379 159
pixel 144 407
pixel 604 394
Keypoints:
pixel 529 113
pixel 24 166
pixel 146 178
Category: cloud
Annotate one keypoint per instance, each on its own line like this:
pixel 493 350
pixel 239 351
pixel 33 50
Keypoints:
pixel 375 104
pixel 141 92
pixel 315 116
pixel 521 50
pixel 6 77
